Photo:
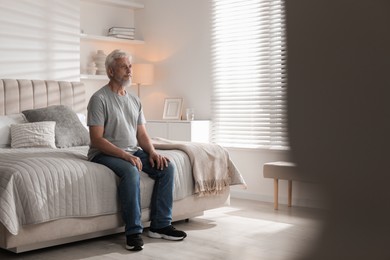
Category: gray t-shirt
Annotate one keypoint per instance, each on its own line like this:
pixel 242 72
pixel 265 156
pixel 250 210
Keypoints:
pixel 120 116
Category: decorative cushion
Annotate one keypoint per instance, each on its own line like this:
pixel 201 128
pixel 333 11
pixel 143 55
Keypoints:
pixel 69 130
pixel 5 122
pixel 39 134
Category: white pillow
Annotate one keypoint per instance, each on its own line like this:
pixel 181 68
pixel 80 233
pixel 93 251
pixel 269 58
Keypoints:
pixel 5 122
pixel 37 134
pixel 83 120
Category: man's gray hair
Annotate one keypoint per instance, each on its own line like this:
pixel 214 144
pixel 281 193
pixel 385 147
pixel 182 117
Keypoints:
pixel 113 56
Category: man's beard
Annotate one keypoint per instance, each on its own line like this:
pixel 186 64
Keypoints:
pixel 123 82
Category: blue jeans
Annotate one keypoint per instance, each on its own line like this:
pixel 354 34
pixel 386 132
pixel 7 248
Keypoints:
pixel 129 191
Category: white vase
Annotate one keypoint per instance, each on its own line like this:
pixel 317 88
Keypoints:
pixel 91 68
pixel 100 59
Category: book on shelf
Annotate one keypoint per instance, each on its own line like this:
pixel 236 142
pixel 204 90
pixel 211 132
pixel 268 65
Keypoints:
pixel 121 30
pixel 122 36
pixel 121 33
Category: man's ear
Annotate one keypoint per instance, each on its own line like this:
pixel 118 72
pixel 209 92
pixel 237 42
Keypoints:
pixel 110 72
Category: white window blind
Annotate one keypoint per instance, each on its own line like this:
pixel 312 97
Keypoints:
pixel 40 39
pixel 249 78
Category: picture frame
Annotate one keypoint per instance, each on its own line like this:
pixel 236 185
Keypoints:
pixel 172 108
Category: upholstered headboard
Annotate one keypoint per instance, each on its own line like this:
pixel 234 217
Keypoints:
pixel 19 95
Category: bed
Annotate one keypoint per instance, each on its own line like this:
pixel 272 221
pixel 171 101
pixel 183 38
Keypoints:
pixel 51 195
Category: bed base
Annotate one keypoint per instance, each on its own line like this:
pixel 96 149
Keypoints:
pixel 72 239
pixel 68 230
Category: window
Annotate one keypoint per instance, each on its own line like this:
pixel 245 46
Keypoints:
pixel 40 39
pixel 249 77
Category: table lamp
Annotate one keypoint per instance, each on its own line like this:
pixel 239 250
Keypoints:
pixel 142 74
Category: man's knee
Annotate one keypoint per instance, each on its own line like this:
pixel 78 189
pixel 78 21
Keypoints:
pixel 169 170
pixel 131 174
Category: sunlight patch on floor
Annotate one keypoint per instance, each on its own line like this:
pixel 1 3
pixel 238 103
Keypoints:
pixel 263 226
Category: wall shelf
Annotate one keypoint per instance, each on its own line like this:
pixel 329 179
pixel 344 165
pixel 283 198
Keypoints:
pixel 109 39
pixel 93 77
pixel 118 3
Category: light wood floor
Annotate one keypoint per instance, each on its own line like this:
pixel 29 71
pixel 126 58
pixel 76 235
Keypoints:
pixel 244 230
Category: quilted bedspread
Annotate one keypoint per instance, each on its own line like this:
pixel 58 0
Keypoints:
pixel 41 184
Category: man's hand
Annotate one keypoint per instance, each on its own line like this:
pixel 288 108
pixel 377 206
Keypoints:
pixel 158 160
pixel 134 160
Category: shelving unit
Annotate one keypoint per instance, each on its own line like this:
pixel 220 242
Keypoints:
pixel 93 36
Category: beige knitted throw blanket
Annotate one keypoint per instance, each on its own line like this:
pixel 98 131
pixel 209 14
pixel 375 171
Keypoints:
pixel 212 168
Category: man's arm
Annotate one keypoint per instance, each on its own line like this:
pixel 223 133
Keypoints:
pixel 146 145
pixel 106 147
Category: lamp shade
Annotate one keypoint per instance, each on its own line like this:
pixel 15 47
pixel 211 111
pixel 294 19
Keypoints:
pixel 142 73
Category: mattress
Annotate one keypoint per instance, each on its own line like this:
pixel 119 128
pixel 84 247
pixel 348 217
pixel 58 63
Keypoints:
pixel 41 184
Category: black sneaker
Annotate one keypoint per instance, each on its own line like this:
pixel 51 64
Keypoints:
pixel 168 232
pixel 134 242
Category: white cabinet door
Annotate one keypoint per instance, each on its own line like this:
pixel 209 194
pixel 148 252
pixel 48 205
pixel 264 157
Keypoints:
pixel 200 131
pixel 179 131
pixel 191 131
pixel 157 129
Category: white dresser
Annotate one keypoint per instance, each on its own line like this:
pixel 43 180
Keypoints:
pixel 180 130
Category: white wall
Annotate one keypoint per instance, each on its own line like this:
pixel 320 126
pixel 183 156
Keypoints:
pixel 177 36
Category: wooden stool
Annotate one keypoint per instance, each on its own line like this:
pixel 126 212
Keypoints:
pixel 284 171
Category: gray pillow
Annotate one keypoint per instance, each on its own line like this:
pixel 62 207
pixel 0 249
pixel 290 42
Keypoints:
pixel 68 132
